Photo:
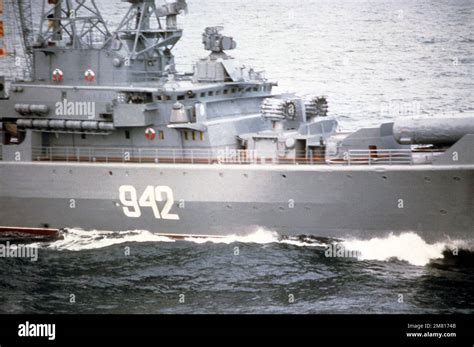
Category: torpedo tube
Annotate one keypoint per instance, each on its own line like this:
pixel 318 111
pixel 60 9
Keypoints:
pixel 442 130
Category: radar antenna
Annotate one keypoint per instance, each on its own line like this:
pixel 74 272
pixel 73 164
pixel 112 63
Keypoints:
pixel 149 32
pixel 215 42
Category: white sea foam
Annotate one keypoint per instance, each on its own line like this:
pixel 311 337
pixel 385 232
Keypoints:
pixel 79 240
pixel 408 246
pixel 260 236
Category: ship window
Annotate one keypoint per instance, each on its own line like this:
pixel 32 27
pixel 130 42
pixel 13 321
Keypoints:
pixel 255 89
pixel 218 92
pixel 248 89
pixel 210 93
pixel 136 99
pixel 203 95
pixel 106 116
pixel 180 97
pixel 83 136
pixel 63 95
pixel 226 91
pixel 185 133
pixel 202 136
pixel 162 135
pixel 127 134
pixel 194 135
pixel 234 90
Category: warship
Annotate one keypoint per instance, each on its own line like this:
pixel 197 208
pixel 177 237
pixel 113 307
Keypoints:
pixel 104 133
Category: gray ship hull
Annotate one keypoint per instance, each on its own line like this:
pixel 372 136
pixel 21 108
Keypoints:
pixel 437 202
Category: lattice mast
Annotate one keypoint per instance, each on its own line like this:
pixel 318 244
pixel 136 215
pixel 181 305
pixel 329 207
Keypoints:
pixel 77 24
pixel 17 34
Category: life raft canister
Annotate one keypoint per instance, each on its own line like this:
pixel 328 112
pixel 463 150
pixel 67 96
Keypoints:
pixel 150 134
pixel 58 75
pixel 89 75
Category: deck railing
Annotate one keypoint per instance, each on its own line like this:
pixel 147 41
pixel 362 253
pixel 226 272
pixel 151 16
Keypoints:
pixel 375 157
pixel 219 156
pixel 173 156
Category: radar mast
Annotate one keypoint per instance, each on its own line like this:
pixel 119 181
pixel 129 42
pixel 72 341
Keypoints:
pixel 147 34
pixel 76 24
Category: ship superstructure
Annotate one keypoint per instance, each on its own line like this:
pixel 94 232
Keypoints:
pixel 105 133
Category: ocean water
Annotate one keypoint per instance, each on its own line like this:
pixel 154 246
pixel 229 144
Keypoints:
pixel 138 272
pixel 375 60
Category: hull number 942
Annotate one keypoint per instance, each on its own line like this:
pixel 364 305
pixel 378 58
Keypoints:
pixel 133 205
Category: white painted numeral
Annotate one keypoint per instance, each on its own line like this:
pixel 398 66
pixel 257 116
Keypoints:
pixel 128 198
pixel 148 199
pixel 132 205
pixel 169 202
